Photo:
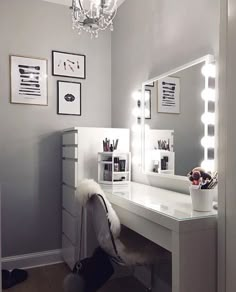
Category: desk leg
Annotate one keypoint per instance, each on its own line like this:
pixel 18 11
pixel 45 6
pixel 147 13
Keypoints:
pixel 194 261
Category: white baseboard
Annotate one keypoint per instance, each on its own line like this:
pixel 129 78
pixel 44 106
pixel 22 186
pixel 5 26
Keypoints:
pixel 31 260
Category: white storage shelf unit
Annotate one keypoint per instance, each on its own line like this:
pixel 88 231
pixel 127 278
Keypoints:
pixel 154 155
pixel 114 168
pixel 165 161
pixel 79 160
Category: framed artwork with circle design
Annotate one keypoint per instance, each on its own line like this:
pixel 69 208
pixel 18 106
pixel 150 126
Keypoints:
pixel 69 98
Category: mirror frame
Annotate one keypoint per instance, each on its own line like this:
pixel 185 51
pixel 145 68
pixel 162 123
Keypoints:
pixel 207 59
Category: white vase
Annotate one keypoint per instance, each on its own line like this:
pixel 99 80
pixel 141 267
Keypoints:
pixel 202 200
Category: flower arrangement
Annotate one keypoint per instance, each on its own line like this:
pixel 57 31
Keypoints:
pixel 201 179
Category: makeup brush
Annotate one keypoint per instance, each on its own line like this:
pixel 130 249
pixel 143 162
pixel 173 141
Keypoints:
pixel 168 91
pixel 30 77
pixel 28 84
pixel 29 67
pixel 22 71
pixel 30 88
pixel 32 94
pixel 27 90
pixel 169 88
pixel 168 83
pixel 30 81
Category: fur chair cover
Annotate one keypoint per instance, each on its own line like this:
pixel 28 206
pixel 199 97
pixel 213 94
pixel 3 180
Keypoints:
pixel 86 189
pixel 132 248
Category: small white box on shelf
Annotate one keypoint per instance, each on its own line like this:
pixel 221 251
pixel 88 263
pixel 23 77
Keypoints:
pixel 114 168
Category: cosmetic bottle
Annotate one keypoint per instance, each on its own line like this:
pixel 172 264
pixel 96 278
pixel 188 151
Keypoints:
pixel 116 163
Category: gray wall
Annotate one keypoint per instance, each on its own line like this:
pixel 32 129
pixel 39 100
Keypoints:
pixel 152 39
pixel 188 130
pixel 30 165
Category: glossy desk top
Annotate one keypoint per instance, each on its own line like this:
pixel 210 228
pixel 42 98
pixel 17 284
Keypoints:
pixel 150 201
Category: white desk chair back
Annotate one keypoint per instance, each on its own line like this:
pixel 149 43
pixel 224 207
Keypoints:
pixel 105 221
pixel 125 245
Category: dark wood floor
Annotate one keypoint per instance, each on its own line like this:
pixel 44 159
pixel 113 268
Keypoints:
pixel 50 279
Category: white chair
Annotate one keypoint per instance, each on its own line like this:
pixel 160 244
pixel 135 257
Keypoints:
pixel 124 246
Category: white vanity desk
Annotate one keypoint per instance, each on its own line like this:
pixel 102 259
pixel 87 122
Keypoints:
pixel 166 218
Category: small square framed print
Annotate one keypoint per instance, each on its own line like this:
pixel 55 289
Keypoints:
pixel 68 65
pixel 168 95
pixel 69 98
pixel 29 80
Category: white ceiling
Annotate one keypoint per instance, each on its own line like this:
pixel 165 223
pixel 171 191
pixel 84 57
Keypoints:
pixel 68 2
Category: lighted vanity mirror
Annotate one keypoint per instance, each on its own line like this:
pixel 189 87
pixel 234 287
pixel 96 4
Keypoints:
pixel 179 124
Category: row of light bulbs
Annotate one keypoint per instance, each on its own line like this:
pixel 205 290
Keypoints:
pixel 208 118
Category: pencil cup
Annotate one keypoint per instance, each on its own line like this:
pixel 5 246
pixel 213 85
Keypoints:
pixel 202 200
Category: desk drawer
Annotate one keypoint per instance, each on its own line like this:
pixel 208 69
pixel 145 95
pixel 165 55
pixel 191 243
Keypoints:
pixel 150 230
pixel 70 152
pixel 70 226
pixel 69 201
pixel 70 138
pixel 69 252
pixel 70 172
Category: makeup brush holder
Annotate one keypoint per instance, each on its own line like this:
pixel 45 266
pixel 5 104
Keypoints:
pixel 202 200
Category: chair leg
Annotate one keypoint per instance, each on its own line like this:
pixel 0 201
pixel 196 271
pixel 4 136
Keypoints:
pixel 150 289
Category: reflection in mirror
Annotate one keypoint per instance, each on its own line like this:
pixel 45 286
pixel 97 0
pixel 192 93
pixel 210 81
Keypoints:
pixel 179 124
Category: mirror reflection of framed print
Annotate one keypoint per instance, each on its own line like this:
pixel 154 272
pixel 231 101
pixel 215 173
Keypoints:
pixel 168 95
pixel 69 98
pixel 152 84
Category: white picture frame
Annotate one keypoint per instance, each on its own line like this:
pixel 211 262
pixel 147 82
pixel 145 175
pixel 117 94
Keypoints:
pixel 168 95
pixel 68 65
pixel 69 98
pixel 29 80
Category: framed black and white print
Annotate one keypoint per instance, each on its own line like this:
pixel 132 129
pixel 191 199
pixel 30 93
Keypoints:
pixel 168 95
pixel 68 65
pixel 28 80
pixel 69 98
pixel 152 84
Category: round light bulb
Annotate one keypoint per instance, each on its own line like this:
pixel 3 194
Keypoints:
pixel 136 160
pixel 208 165
pixel 136 112
pixel 208 118
pixel 209 70
pixel 136 95
pixel 208 94
pixel 208 142
pixel 136 128
pixel 136 144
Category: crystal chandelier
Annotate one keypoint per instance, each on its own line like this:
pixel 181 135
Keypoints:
pixel 93 15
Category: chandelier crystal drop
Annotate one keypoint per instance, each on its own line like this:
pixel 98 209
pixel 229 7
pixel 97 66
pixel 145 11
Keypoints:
pixel 93 15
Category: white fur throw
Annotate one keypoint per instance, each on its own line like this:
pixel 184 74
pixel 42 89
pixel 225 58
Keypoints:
pixel 132 248
pixel 86 189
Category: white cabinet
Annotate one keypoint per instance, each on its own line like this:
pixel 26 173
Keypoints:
pixel 80 147
pixel 114 168
pixel 71 211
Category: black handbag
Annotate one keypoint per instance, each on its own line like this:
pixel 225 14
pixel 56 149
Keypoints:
pixel 95 270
